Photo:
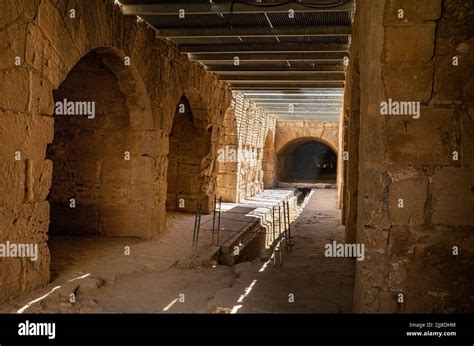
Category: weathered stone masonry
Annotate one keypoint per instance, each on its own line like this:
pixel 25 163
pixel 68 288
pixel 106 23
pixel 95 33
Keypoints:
pixel 40 44
pixel 409 249
pixel 408 189
pixel 249 135
pixel 291 134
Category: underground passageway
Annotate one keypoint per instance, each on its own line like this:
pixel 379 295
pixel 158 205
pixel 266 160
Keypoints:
pixel 307 161
pixel 121 124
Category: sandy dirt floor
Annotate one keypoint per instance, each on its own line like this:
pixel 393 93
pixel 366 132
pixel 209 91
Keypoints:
pixel 156 278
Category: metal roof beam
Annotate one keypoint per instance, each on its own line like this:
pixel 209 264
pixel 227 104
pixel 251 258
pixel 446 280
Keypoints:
pixel 308 117
pixel 298 105
pixel 230 69
pixel 301 97
pixel 303 110
pixel 172 9
pixel 296 114
pixel 331 92
pixel 299 56
pixel 285 78
pixel 262 48
pixel 298 102
pixel 237 74
pixel 275 63
pixel 285 86
pixel 252 32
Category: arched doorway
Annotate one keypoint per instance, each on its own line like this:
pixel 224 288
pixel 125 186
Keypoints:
pixel 189 143
pixel 307 161
pixel 102 181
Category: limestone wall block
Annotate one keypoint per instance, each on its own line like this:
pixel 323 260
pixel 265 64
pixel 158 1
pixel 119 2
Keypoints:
pixel 54 26
pixel 429 140
pixel 12 45
pixel 453 196
pixel 410 43
pixel 413 11
pixel 27 223
pixel 13 10
pixel 453 84
pixel 416 84
pixel 41 171
pixel 413 193
pixel 467 138
pixel 12 184
pixel 14 89
pixel 9 276
pixel 27 134
pixel 143 170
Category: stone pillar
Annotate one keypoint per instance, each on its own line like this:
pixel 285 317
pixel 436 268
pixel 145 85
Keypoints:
pixel 352 173
pixel 416 170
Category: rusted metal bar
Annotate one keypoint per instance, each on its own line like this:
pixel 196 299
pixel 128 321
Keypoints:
pixel 273 224
pixel 219 220
pixel 289 220
pixel 197 224
pixel 279 221
pixel 214 220
pixel 279 234
pixel 288 239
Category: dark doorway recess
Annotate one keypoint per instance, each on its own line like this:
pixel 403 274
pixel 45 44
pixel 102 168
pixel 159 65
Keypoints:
pixel 307 162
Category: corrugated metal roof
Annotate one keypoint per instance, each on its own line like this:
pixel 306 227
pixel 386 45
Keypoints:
pixel 218 28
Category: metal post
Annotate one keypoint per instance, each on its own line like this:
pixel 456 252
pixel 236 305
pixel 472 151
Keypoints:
pixel 197 224
pixel 289 221
pixel 279 232
pixel 279 221
pixel 273 224
pixel 214 220
pixel 219 220
pixel 275 243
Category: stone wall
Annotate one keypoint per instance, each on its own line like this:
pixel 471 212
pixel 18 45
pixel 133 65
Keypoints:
pixel 40 44
pixel 327 132
pixel 294 132
pixel 351 125
pixel 246 146
pixel 189 143
pixel 415 190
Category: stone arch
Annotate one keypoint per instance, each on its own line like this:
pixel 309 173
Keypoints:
pixel 299 140
pixel 103 162
pixel 268 161
pixel 307 160
pixel 227 158
pixel 129 82
pixel 189 168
